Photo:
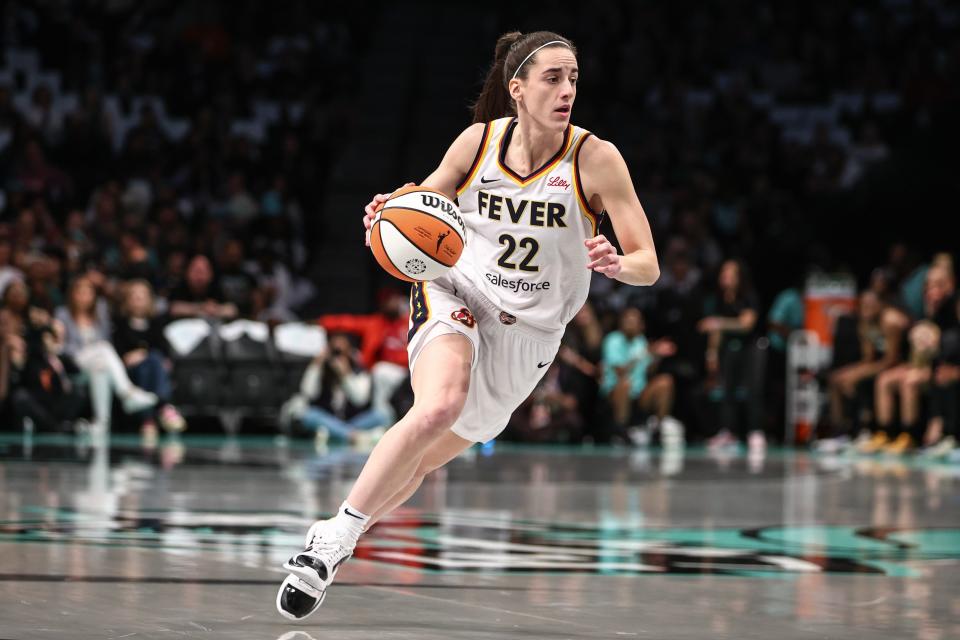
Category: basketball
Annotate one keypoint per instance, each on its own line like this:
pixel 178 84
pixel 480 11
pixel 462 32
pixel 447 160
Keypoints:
pixel 418 234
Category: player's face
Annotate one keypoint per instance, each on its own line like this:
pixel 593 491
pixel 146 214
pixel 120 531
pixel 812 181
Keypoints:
pixel 548 92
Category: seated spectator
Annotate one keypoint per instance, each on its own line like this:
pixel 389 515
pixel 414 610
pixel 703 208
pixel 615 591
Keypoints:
pixel 550 414
pixel 200 296
pixel 47 393
pixel 8 270
pixel 630 383
pixel 383 345
pixel 581 350
pixel 871 346
pixel 905 383
pixel 333 396
pixel 234 277
pixel 730 317
pixel 786 315
pixel 138 338
pixel 942 427
pixel 86 321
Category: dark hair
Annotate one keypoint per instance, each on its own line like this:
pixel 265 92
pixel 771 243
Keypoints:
pixel 511 51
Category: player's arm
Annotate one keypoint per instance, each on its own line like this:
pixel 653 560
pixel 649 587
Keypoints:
pixel 445 178
pixel 456 161
pixel 606 181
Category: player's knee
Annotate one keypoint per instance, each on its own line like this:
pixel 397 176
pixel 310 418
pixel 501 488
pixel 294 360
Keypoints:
pixel 436 415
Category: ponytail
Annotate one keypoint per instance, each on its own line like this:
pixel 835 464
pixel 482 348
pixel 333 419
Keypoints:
pixel 511 57
pixel 494 101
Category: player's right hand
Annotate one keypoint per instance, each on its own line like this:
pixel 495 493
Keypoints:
pixel 370 211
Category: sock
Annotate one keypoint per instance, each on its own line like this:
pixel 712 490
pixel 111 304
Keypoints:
pixel 352 519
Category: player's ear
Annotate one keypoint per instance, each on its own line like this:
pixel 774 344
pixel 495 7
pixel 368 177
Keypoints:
pixel 514 89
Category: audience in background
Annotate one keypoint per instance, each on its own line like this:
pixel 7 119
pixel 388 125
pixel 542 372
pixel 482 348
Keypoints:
pixel 220 187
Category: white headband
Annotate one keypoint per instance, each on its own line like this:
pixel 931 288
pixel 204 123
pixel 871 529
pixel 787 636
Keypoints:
pixel 530 55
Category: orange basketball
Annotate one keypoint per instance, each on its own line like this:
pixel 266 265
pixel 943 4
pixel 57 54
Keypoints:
pixel 418 234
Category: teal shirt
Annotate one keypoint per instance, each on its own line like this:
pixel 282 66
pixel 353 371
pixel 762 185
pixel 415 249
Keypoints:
pixel 787 309
pixel 618 351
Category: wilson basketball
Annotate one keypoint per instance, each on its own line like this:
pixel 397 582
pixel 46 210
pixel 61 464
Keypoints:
pixel 418 234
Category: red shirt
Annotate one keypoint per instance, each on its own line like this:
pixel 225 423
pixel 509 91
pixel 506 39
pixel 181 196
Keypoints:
pixel 381 339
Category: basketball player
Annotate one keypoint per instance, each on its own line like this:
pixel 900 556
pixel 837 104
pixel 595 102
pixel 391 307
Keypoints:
pixel 531 188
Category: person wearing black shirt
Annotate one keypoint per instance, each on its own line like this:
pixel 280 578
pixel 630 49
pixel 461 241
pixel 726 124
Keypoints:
pixel 138 338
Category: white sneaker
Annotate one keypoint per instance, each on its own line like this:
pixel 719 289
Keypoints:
pixel 136 399
pixel 941 449
pixel 639 436
pixel 292 409
pixel 328 545
pixel 756 442
pixel 321 438
pixel 832 445
pixel 671 433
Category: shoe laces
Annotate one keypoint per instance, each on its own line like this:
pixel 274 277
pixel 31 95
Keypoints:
pixel 329 541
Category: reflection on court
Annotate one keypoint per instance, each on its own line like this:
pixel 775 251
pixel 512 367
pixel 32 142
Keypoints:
pixel 107 539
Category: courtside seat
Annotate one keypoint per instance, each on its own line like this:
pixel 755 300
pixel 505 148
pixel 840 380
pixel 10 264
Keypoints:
pixel 198 372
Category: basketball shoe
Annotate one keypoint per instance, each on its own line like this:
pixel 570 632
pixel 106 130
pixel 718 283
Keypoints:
pixel 328 545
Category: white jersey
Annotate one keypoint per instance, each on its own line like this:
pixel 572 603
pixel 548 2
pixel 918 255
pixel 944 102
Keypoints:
pixel 525 234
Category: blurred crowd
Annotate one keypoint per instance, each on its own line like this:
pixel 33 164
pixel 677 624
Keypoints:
pixel 160 164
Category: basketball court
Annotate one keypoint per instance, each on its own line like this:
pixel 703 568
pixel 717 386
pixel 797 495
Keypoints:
pixel 111 540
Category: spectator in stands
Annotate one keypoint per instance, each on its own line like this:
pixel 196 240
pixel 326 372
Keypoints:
pixel 236 281
pixel 333 396
pixel 86 320
pixel 8 270
pixel 942 429
pixel 40 177
pixel 729 322
pixel 678 308
pixel 630 381
pixel 550 414
pixel 906 381
pixel 282 293
pixel 581 351
pixel 138 338
pixel 200 295
pixel 383 346
pixel 46 390
pixel 866 344
pixel 132 260
pixel 786 315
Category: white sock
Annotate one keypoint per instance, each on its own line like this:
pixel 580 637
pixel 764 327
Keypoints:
pixel 352 519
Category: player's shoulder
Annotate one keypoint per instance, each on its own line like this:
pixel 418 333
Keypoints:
pixel 597 153
pixel 469 140
pixel 473 133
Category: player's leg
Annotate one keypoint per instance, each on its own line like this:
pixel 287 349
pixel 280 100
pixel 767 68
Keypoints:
pixel 441 379
pixel 442 451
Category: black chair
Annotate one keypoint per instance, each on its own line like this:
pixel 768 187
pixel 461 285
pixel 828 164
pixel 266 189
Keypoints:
pixel 198 372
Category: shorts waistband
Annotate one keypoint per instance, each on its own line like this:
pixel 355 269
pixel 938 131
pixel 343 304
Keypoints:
pixel 496 314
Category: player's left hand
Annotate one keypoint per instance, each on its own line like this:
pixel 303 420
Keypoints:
pixel 604 256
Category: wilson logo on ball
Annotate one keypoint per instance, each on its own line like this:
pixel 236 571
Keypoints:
pixel 418 234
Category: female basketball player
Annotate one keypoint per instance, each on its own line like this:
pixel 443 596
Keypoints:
pixel 531 187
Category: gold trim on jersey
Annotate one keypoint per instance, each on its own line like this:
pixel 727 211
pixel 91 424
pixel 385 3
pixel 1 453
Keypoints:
pixel 419 308
pixel 585 207
pixel 478 159
pixel 550 164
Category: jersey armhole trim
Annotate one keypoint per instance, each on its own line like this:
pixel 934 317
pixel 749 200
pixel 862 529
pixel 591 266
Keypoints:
pixel 481 151
pixel 591 215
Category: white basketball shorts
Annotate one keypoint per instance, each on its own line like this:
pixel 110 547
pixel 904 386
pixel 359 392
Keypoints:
pixel 509 356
